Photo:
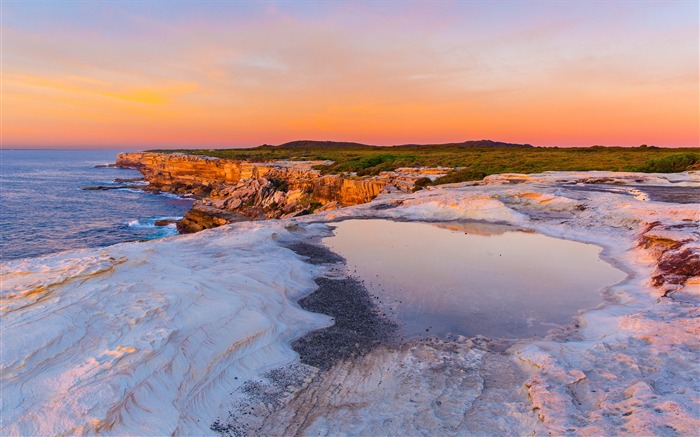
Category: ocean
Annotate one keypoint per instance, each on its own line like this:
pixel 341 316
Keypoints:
pixel 43 208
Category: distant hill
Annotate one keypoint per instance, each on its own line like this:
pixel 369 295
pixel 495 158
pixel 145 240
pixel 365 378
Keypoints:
pixel 471 143
pixel 311 144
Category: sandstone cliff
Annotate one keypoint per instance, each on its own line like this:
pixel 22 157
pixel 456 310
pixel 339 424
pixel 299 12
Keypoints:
pixel 229 190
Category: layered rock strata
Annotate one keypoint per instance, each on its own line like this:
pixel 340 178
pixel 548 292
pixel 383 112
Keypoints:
pixel 230 191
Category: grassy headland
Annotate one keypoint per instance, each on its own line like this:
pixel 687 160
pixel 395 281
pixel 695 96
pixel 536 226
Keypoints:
pixel 472 160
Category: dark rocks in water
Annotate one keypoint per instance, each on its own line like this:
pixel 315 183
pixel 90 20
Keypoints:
pixel 112 166
pixel 165 222
pixel 112 187
pixel 127 180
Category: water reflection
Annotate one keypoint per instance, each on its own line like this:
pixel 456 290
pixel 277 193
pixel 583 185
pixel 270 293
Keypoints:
pixel 472 278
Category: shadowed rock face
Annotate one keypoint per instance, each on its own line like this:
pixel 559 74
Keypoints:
pixel 229 190
pixel 676 261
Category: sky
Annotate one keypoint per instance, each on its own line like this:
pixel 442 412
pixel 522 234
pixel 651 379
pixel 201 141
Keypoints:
pixel 151 74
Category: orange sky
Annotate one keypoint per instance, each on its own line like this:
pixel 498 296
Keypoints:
pixel 217 74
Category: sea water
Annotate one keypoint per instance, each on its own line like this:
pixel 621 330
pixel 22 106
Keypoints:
pixel 44 209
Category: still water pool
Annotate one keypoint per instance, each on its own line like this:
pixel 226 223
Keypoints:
pixel 472 278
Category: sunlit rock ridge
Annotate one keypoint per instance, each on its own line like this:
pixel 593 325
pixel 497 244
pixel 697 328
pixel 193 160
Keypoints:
pixel 162 337
pixel 231 190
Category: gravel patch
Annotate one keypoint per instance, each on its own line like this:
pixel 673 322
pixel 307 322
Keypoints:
pixel 358 327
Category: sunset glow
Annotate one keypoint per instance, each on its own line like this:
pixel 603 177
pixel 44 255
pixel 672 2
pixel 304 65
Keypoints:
pixel 219 74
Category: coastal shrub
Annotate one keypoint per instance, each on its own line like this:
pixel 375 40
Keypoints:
pixel 375 170
pixel 280 184
pixel 671 163
pixel 369 165
pixel 375 160
pixel 371 160
pixel 314 205
pixel 420 183
pixel 464 175
pixel 310 204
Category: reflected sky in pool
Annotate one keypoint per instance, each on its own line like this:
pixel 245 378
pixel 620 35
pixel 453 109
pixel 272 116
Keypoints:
pixel 473 278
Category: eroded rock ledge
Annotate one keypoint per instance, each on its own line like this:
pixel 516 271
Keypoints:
pixel 229 190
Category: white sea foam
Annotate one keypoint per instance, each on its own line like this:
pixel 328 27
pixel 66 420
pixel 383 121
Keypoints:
pixel 131 190
pixel 174 196
pixel 150 222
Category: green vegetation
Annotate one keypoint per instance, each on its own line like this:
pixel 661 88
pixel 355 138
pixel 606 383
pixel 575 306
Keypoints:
pixel 280 184
pixel 671 163
pixel 465 174
pixel 472 160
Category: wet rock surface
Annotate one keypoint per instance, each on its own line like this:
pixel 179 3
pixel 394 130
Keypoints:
pixel 111 187
pixel 670 194
pixel 165 222
pixel 682 195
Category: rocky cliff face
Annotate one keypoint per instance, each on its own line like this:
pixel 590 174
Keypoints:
pixel 229 190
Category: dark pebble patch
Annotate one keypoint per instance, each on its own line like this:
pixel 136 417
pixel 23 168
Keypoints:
pixel 358 327
pixel 315 254
pixel 384 206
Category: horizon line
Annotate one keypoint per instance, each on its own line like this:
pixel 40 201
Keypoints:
pixel 213 147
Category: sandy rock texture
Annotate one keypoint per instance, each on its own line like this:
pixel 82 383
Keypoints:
pixel 192 334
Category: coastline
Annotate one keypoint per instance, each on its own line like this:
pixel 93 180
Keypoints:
pixel 567 376
pixel 46 208
pixel 230 191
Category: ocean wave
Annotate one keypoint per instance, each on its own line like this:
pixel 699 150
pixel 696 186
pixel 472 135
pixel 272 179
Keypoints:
pixel 131 190
pixel 161 193
pixel 157 231
pixel 175 196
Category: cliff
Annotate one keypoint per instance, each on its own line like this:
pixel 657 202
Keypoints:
pixel 229 190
